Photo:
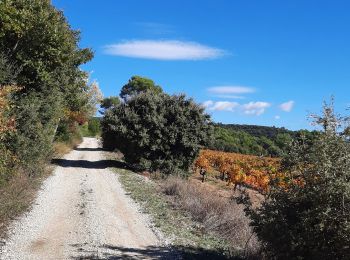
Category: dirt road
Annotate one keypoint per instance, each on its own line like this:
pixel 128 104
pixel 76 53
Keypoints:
pixel 82 212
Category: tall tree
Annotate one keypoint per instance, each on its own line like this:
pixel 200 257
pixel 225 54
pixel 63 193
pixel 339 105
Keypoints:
pixel 137 85
pixel 36 38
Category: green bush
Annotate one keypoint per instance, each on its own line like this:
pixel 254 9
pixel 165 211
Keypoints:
pixel 157 131
pixel 310 218
pixel 94 126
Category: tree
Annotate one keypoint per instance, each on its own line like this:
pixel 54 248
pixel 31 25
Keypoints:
pixel 43 54
pixel 309 216
pixel 157 132
pixel 37 38
pixel 137 85
pixel 109 102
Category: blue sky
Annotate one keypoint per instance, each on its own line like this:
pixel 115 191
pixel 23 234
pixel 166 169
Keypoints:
pixel 250 62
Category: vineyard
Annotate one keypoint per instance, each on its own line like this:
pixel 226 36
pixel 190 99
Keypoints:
pixel 238 169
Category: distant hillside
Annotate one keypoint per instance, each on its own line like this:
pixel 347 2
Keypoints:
pixel 258 130
pixel 254 139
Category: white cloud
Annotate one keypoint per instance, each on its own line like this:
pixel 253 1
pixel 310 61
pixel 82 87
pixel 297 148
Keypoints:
pixel 230 90
pixel 220 105
pixel 224 106
pixel 229 96
pixel 277 117
pixel 207 103
pixel 251 108
pixel 255 108
pixel 287 106
pixel 163 50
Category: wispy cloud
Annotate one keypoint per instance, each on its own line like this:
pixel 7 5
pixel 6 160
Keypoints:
pixel 287 106
pixel 230 90
pixel 207 103
pixel 229 96
pixel 255 108
pixel 164 50
pixel 277 117
pixel 251 108
pixel 224 106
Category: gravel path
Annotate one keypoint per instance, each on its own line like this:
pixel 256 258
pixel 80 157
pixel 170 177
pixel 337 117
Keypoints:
pixel 82 212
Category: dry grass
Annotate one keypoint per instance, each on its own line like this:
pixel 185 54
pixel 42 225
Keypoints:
pixel 16 197
pixel 219 215
pixel 62 148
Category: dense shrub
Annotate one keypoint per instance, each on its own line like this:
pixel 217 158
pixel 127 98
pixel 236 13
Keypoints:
pixel 309 218
pixel 7 127
pixel 94 126
pixel 157 131
pixel 40 52
pixel 32 140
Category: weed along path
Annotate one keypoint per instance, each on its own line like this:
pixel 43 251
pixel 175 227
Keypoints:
pixel 82 212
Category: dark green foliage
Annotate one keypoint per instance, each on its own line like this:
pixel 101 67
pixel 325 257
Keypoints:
pixel 157 131
pixel 257 130
pixel 40 53
pixel 137 85
pixel 229 140
pixel 8 72
pixel 255 140
pixel 63 133
pixel 311 218
pixel 31 142
pixel 234 141
pixel 108 103
pixel 94 126
pixel 37 37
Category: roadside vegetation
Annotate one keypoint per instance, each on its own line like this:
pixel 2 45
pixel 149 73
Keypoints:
pixel 47 103
pixel 308 217
pixel 44 97
pixel 196 222
pixel 304 209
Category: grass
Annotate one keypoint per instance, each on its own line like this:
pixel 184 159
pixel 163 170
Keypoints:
pixel 174 224
pixel 187 232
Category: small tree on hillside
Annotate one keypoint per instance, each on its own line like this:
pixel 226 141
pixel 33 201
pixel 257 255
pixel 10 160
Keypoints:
pixel 157 132
pixel 309 218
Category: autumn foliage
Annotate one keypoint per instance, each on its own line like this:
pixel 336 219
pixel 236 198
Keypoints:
pixel 238 169
pixel 6 124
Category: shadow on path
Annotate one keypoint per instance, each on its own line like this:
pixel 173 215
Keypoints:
pixel 101 164
pixel 150 252
pixel 89 149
